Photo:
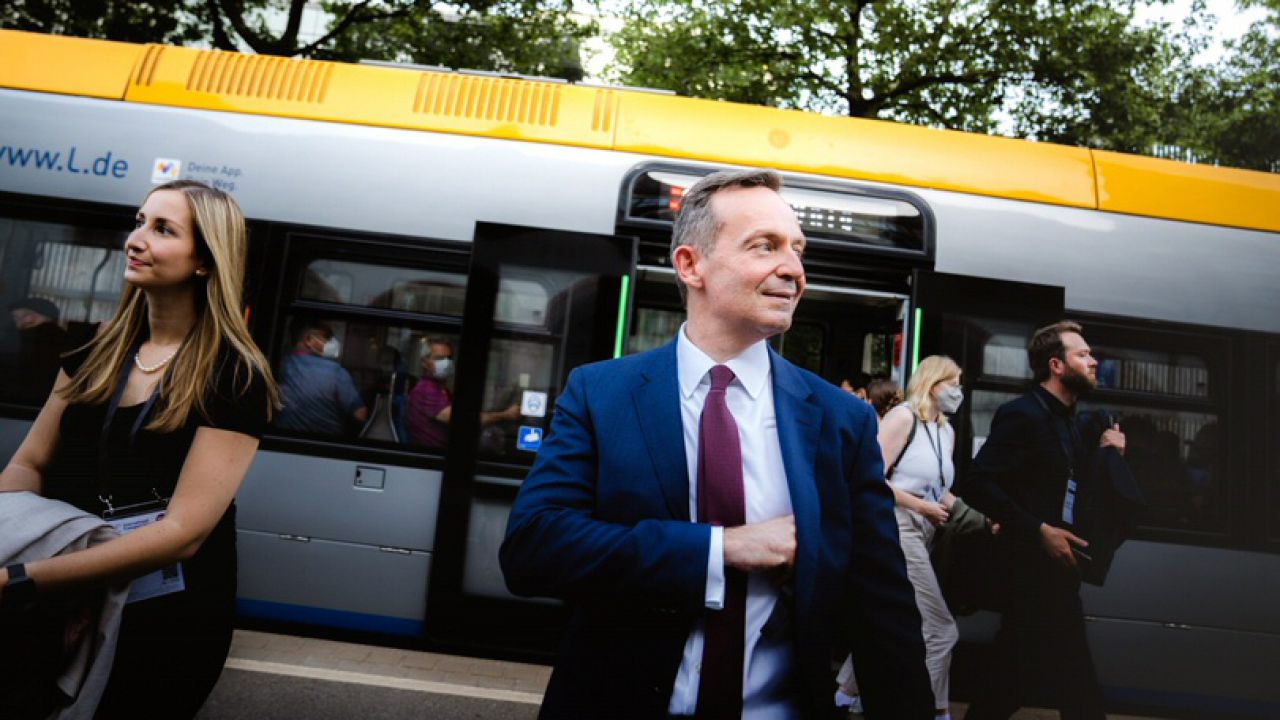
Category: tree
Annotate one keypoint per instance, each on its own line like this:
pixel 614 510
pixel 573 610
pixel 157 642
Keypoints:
pixel 525 36
pixel 1073 71
pixel 1241 122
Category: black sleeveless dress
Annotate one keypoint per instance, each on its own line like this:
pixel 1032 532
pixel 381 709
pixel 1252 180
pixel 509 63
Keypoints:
pixel 171 648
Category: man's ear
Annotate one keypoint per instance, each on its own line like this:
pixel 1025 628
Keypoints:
pixel 685 261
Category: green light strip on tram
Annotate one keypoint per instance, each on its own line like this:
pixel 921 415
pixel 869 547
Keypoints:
pixel 915 339
pixel 622 316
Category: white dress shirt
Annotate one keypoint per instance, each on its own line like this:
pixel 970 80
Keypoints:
pixel 750 400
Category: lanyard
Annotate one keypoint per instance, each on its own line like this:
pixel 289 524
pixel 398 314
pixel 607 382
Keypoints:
pixel 937 451
pixel 1072 432
pixel 1072 436
pixel 122 380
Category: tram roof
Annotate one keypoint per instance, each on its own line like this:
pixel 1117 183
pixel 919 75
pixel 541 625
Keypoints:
pixel 640 122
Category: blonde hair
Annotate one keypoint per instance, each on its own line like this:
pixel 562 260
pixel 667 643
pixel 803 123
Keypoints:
pixel 222 244
pixel 931 371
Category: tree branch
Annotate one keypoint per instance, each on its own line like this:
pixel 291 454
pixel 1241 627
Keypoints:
pixel 290 36
pixel 910 86
pixel 221 39
pixel 235 15
pixel 352 17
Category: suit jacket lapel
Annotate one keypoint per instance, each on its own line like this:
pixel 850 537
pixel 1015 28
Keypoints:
pixel 799 420
pixel 657 401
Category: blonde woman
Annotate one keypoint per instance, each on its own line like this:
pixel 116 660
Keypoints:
pixel 918 443
pixel 158 418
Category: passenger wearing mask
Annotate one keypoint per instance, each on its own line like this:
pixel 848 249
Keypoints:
pixel 918 442
pixel 430 404
pixel 319 395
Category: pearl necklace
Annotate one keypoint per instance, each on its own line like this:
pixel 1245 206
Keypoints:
pixel 137 360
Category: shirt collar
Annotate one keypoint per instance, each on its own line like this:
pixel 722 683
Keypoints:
pixel 750 368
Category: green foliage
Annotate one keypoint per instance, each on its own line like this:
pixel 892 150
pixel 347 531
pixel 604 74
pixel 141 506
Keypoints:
pixel 523 36
pixel 127 21
pixel 1240 125
pixel 1073 71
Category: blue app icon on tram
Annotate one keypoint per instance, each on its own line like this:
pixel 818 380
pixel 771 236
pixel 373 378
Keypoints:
pixel 529 438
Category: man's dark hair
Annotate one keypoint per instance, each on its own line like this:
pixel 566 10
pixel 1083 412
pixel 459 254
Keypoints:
pixel 696 224
pixel 1046 344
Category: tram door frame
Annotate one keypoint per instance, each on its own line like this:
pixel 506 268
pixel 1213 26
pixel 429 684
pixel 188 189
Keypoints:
pixel 947 311
pixel 454 614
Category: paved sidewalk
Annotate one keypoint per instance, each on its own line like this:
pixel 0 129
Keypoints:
pixel 490 680
pixel 265 652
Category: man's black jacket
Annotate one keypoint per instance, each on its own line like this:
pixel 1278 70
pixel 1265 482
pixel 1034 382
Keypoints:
pixel 1019 478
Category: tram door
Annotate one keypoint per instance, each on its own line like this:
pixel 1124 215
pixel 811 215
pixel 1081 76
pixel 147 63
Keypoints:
pixel 538 304
pixel 984 325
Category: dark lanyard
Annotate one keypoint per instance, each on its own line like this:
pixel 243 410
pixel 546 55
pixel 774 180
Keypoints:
pixel 122 380
pixel 937 451
pixel 1072 432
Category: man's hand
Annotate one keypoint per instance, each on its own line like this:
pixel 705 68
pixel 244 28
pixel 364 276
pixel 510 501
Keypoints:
pixel 761 546
pixel 1057 542
pixel 1113 438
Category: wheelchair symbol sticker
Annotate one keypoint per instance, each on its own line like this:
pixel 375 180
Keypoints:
pixel 533 404
pixel 530 438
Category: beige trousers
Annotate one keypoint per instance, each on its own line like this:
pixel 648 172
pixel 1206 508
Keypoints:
pixel 938 627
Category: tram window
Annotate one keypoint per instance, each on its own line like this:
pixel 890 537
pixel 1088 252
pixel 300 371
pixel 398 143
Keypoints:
pixel 1160 387
pixel 384 286
pixel 1004 353
pixel 802 345
pixel 372 382
pixel 1176 458
pixel 516 368
pixel 653 327
pixel 56 282
pixel 982 410
pixel 534 298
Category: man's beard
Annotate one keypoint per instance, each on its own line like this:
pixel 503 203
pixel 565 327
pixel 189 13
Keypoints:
pixel 1078 382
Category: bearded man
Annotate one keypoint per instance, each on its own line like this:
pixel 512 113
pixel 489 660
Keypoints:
pixel 1025 478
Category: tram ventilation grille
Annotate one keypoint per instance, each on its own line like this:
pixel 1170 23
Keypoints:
pixel 495 99
pixel 259 76
pixel 606 110
pixel 146 69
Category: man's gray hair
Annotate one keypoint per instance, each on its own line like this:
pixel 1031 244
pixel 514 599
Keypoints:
pixel 696 224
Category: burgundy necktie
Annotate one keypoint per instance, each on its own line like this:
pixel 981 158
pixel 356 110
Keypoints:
pixel 721 502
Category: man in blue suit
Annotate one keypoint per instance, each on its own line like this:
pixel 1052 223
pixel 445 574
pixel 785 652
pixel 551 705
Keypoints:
pixel 717 518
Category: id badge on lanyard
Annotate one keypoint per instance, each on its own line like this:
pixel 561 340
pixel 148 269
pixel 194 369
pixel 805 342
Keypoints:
pixel 127 518
pixel 166 580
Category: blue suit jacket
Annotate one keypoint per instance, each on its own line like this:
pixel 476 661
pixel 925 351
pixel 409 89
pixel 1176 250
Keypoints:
pixel 602 521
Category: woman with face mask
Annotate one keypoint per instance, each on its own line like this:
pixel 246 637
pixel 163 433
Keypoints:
pixel 918 442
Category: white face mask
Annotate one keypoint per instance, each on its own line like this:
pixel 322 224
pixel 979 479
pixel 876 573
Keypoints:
pixel 949 400
pixel 332 349
pixel 444 367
